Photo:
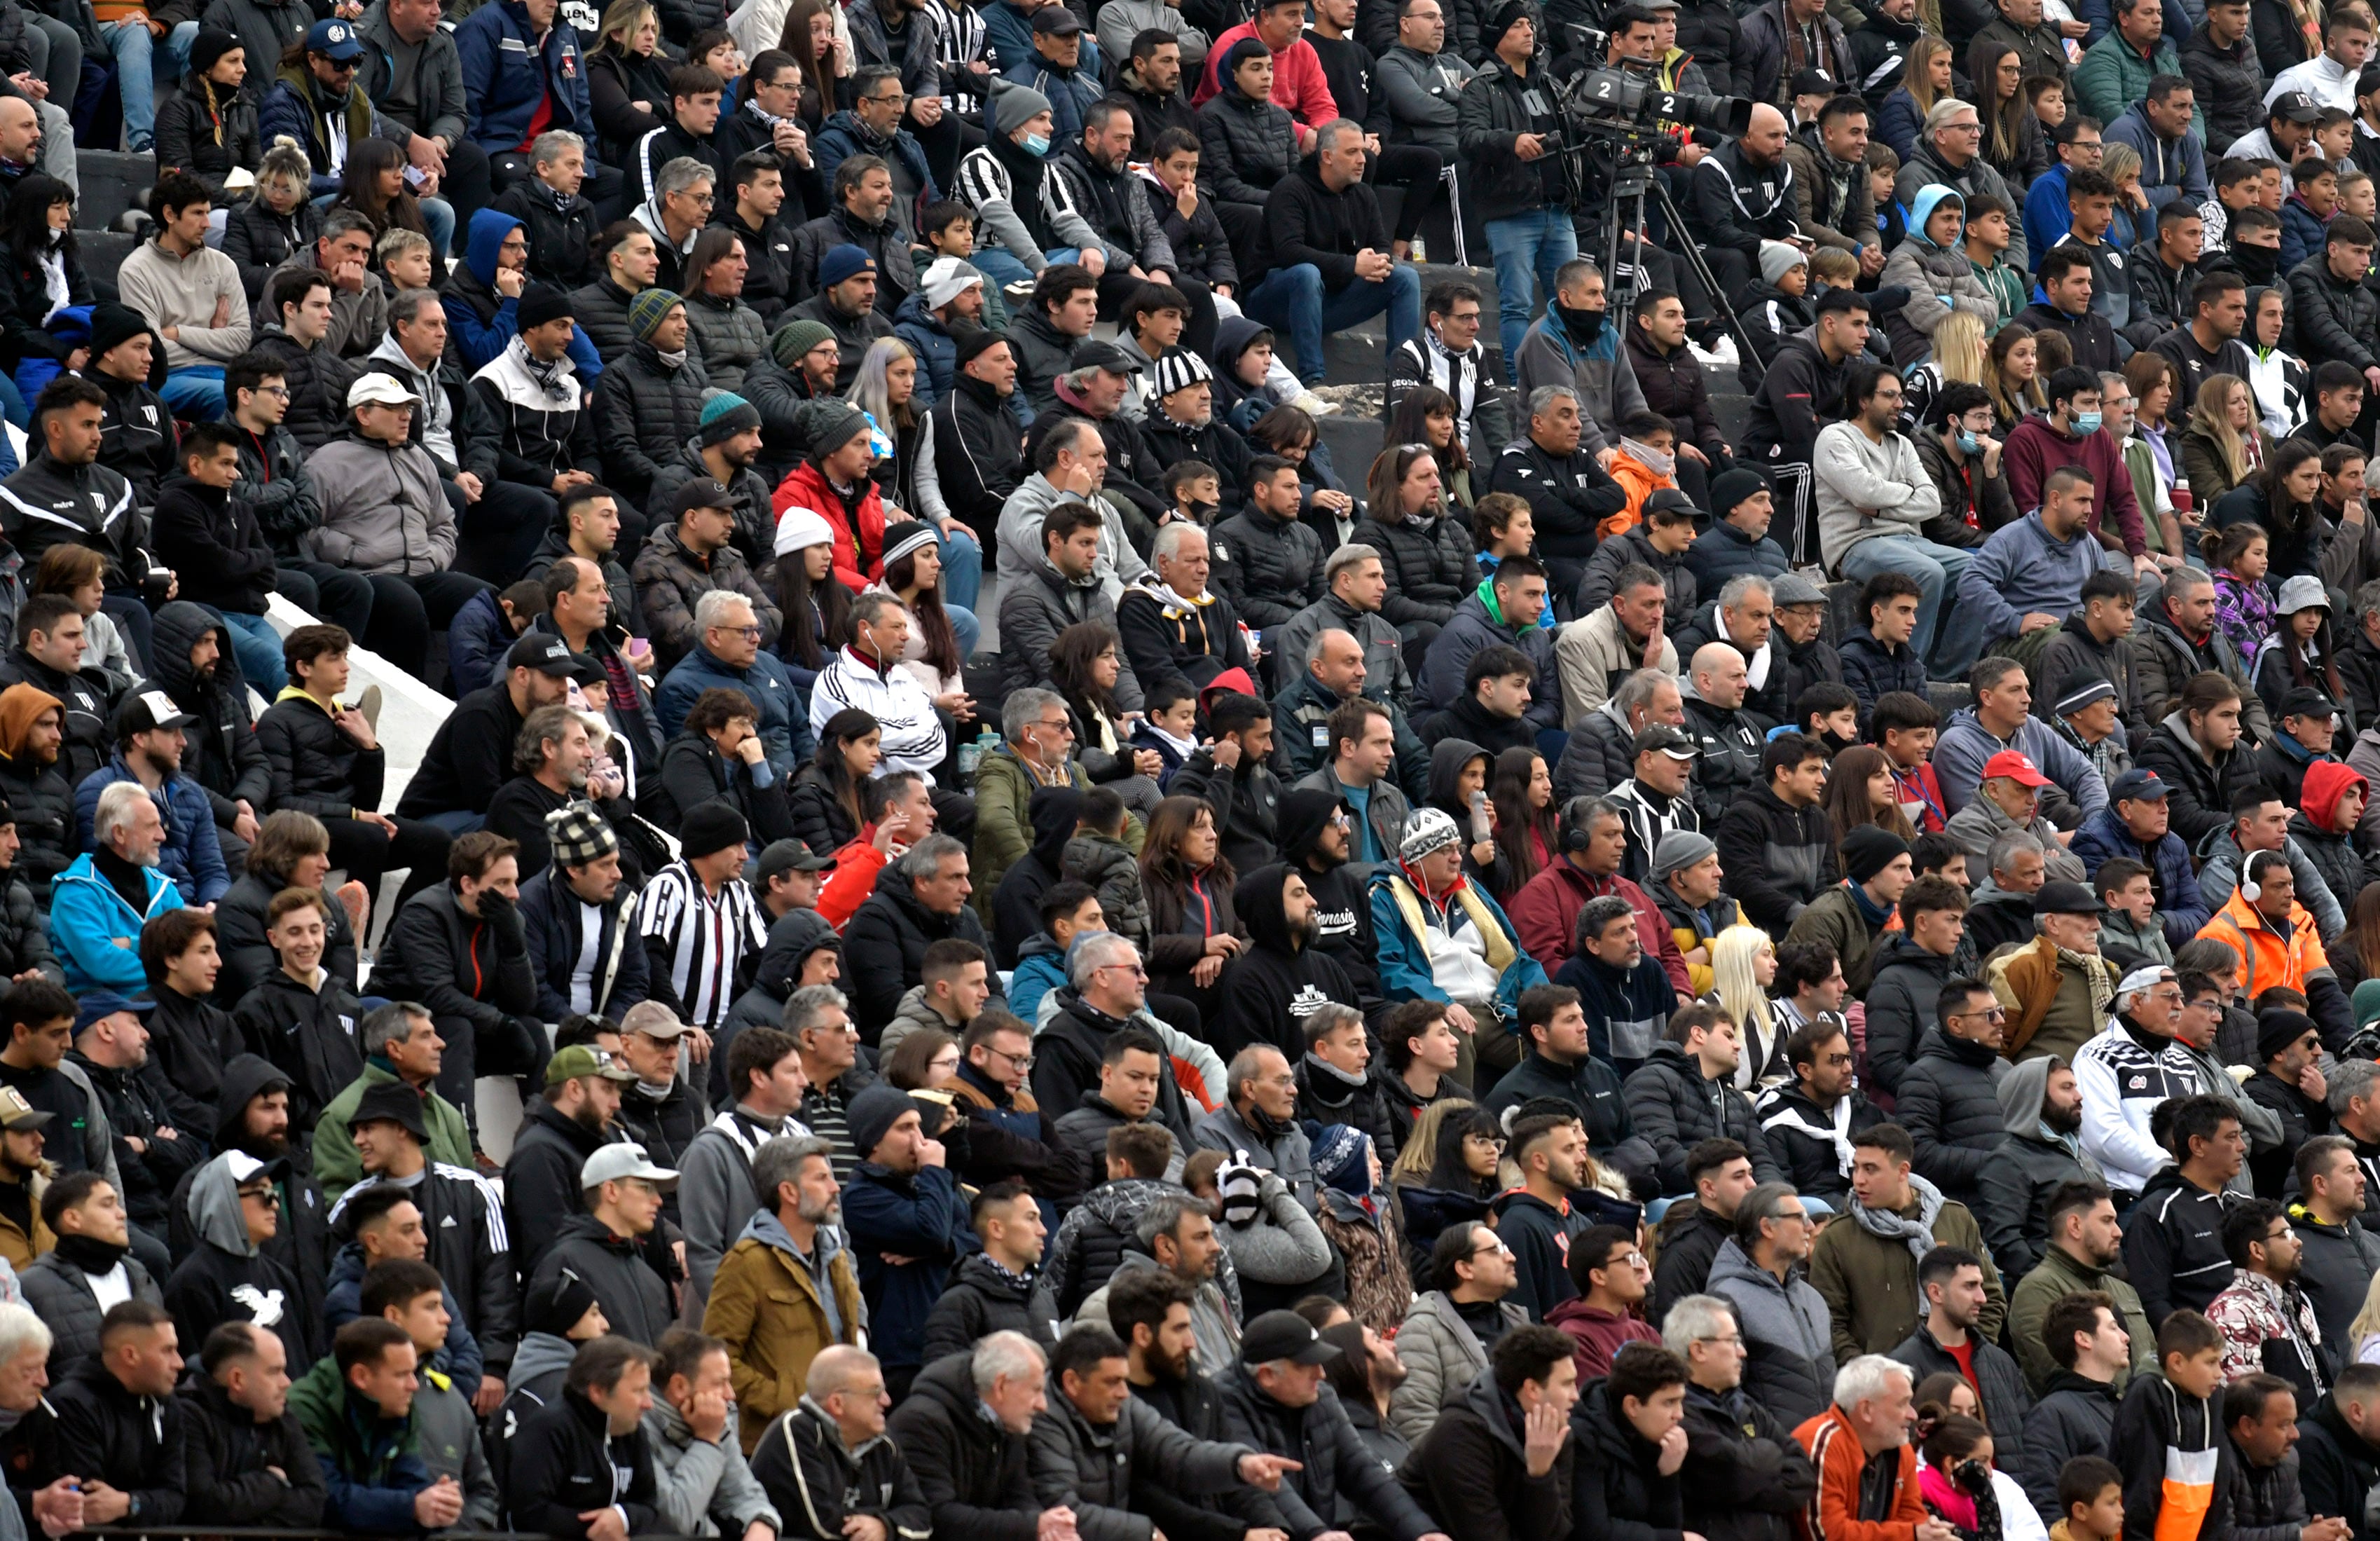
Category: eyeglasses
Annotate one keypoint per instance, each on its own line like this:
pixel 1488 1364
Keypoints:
pixel 749 633
pixel 1022 1062
pixel 1136 970
pixel 897 99
pixel 282 392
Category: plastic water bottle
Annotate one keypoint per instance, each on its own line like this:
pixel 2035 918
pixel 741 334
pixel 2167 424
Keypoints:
pixel 971 753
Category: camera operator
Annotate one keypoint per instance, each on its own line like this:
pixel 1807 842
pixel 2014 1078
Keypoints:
pixel 1743 195
pixel 1634 43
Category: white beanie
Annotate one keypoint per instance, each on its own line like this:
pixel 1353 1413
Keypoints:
pixel 800 529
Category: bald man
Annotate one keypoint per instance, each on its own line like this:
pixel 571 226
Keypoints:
pixel 1728 739
pixel 1740 199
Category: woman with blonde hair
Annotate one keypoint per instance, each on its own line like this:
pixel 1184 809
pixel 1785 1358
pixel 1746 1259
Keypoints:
pixel 2364 1332
pixel 1955 356
pixel 628 77
pixel 886 389
pixel 1744 965
pixel 2135 222
pixel 278 221
pixel 2224 446
pixel 1925 79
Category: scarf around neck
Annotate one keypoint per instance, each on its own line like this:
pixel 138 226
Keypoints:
pixel 1916 1234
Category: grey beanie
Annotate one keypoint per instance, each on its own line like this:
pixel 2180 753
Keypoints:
pixel 1013 108
pixel 1678 850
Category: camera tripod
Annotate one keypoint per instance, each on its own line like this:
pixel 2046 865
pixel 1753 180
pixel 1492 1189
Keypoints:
pixel 1634 182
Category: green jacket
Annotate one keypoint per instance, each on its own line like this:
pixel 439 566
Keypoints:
pixel 2113 76
pixel 337 1166
pixel 1869 1282
pixel 2008 285
pixel 2056 1276
pixel 1004 786
pixel 1834 918
pixel 373 1466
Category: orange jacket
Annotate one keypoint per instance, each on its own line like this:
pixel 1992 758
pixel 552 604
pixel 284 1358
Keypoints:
pixel 1833 1448
pixel 1642 481
pixel 2266 957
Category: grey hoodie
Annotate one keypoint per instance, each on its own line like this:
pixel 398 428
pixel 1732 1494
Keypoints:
pixel 214 1201
pixel 766 1227
pixel 540 1353
pixel 2033 1160
pixel 698 1483
pixel 1214 1322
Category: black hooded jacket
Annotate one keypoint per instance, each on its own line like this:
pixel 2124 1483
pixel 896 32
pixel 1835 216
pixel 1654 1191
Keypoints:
pixel 1342 906
pixel 981 1298
pixel 219 751
pixel 1016 903
pixel 301 1245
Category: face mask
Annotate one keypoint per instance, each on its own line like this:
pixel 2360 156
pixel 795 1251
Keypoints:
pixel 1201 512
pixel 1656 461
pixel 2086 423
pixel 2257 263
pixel 1967 443
pixel 1586 324
pixel 1038 143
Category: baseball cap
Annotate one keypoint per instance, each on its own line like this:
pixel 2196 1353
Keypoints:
pixel 623 1159
pixel 2295 105
pixel 654 1020
pixel 1666 739
pixel 1057 20
pixel 2017 766
pixel 1279 1335
pixel 144 710
pixel 788 854
pixel 18 1113
pixel 335 37
pixel 1813 83
pixel 385 390
pixel 1092 354
pixel 544 652
pixel 2306 701
pixel 99 1004
pixel 701 492
pixel 2139 787
pixel 578 1060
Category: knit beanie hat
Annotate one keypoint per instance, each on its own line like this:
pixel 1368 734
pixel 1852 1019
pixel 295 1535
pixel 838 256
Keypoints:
pixel 1015 106
pixel 113 325
pixel 845 261
pixel 903 539
pixel 1426 830
pixel 209 47
pixel 579 835
pixel 1338 1159
pixel 873 1112
pixel 724 416
pixel 800 529
pixel 649 309
pixel 973 340
pixel 1729 488
pixel 795 339
pixel 1869 849
pixel 708 827
pixel 944 280
pixel 539 304
pixel 1505 18
pixel 827 424
pixel 554 1307
pixel 2278 1028
pixel 1778 259
pixel 1679 849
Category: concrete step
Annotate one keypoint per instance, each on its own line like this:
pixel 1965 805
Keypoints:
pixel 103 252
pixel 110 179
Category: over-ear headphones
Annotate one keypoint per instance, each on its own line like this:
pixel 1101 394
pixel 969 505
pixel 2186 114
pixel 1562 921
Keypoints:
pixel 2250 889
pixel 1577 825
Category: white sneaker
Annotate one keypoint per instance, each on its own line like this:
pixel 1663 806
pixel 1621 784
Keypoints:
pixel 368 704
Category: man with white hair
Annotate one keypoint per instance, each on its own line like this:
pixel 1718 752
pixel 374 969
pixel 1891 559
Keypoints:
pixel 971 1467
pixel 2126 1072
pixel 1174 631
pixel 727 655
pixel 98 903
pixel 56 1506
pixel 1743 1475
pixel 1870 1418
pixel 828 1458
pixel 1107 989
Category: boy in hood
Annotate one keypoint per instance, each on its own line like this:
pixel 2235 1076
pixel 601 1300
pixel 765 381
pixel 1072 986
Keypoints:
pixel 1281 980
pixel 234 1204
pixel 556 1321
pixel 1776 306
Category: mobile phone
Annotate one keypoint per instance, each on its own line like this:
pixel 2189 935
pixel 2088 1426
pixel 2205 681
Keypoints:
pixel 415 177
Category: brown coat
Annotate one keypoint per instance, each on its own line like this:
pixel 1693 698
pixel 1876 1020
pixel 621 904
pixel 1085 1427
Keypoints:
pixel 767 1310
pixel 2031 985
pixel 15 1246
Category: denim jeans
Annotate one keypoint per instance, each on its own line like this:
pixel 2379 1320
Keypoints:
pixel 258 649
pixel 1530 248
pixel 195 393
pixel 130 43
pixel 1947 650
pixel 1292 300
pixel 178 40
pixel 997 265
pixel 961 570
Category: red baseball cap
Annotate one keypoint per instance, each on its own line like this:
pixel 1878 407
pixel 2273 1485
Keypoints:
pixel 2018 768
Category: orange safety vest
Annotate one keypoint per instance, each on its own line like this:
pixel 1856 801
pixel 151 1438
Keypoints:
pixel 2266 957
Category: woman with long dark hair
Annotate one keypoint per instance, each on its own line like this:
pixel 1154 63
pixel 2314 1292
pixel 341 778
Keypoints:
pixel 2286 502
pixel 1528 835
pixel 43 274
pixel 806 586
pixel 2357 954
pixel 1292 434
pixel 1426 415
pixel 2012 142
pixel 824 800
pixel 1187 882
pixel 913 571
pixel 1446 1174
pixel 373 186
pixel 809 37
pixel 1084 664
pixel 1861 790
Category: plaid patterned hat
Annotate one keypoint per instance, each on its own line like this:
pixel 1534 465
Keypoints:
pixel 1180 369
pixel 649 309
pixel 578 835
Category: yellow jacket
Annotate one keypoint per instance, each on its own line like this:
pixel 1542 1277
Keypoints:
pixel 767 1310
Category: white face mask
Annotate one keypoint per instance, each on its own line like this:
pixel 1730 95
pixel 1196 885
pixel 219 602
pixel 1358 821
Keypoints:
pixel 1653 460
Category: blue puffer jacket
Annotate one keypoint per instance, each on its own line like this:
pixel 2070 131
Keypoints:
pixel 2180 906
pixel 1040 968
pixel 1723 551
pixel 1405 973
pixel 1872 671
pixel 477 639
pixel 95 933
pixel 507 72
pixel 937 350
pixel 192 856
pixel 845 136
pixel 784 728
